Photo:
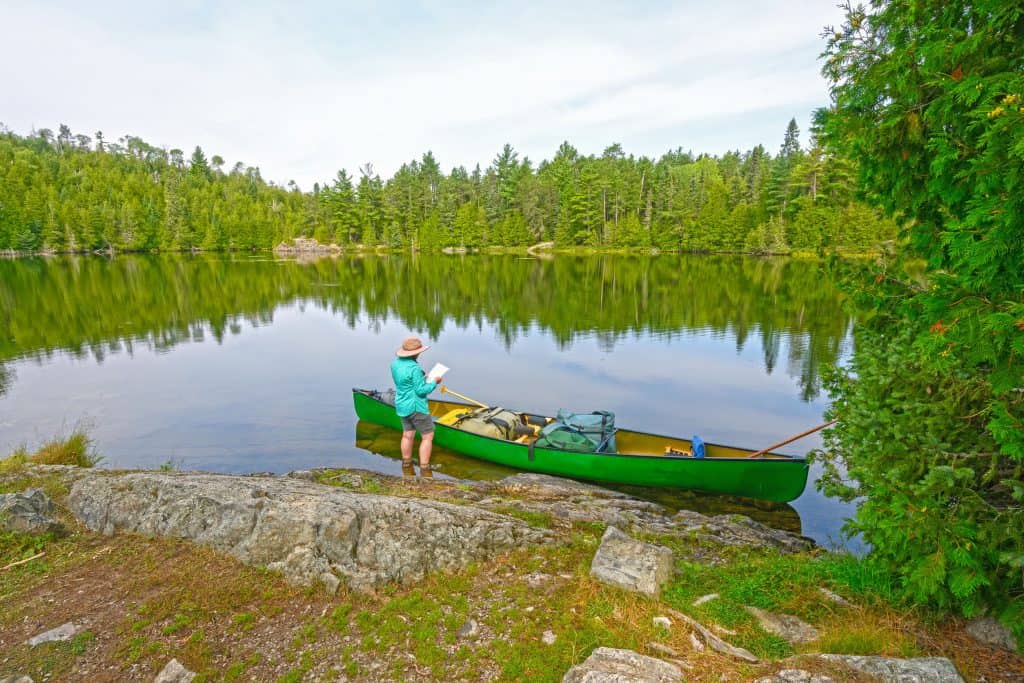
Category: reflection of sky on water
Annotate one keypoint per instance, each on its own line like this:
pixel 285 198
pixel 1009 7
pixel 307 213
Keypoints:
pixel 276 396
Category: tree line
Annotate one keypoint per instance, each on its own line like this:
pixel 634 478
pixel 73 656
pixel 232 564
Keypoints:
pixel 72 192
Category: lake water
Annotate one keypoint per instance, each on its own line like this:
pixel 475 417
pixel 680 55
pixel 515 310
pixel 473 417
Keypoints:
pixel 245 363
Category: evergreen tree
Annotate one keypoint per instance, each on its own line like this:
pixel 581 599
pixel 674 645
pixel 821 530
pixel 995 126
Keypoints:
pixel 928 99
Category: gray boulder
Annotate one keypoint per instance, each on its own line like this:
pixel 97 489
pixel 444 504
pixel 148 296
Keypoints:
pixel 894 670
pixel 16 678
pixel 631 564
pixel 989 631
pixel 63 632
pixel 30 511
pixel 308 531
pixel 792 629
pixel 174 672
pixel 609 665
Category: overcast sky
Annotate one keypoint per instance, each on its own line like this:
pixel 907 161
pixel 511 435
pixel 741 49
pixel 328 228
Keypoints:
pixel 302 89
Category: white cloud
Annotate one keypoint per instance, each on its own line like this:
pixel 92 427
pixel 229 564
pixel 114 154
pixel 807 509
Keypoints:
pixel 305 91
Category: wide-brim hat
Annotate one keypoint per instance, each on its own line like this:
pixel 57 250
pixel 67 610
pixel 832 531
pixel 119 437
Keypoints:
pixel 412 346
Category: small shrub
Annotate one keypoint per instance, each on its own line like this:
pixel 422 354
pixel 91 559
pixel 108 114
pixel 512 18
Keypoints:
pixel 15 461
pixel 76 449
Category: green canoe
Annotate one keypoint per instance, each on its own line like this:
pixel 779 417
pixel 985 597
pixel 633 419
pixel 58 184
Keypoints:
pixel 641 459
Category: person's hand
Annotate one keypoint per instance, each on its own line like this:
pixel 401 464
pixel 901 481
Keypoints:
pixel 438 381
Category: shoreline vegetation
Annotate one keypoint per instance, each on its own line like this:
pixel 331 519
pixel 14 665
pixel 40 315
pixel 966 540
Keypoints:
pixel 69 192
pixel 529 613
pixel 326 250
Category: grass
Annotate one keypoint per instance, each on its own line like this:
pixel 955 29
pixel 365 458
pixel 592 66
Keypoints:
pixel 76 449
pixel 542 520
pixel 789 584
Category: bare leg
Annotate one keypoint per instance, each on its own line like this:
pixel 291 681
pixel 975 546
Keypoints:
pixel 407 438
pixel 426 444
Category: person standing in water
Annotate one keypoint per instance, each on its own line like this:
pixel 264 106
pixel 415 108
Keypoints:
pixel 411 391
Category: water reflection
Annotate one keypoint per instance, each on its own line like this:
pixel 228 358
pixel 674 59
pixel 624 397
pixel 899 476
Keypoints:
pixel 87 306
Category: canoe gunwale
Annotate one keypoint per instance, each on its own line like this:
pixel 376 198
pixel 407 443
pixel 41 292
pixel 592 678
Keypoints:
pixel 776 457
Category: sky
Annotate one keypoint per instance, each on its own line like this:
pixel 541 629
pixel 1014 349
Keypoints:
pixel 302 89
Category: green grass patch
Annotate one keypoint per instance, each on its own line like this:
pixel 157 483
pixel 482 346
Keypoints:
pixel 542 520
pixel 245 621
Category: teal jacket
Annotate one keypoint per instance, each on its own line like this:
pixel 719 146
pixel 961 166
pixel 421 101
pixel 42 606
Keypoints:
pixel 411 387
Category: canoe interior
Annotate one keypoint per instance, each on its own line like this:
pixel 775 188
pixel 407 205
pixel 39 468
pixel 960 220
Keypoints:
pixel 629 442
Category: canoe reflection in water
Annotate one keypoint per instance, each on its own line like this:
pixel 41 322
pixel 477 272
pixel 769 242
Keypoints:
pixel 386 442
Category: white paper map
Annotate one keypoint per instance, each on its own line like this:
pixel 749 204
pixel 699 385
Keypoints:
pixel 437 372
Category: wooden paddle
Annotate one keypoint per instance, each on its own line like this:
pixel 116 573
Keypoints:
pixel 446 390
pixel 790 439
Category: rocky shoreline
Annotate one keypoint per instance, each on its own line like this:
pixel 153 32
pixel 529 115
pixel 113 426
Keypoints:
pixel 360 532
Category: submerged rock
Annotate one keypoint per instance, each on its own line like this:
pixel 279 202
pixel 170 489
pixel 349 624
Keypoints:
pixel 631 564
pixel 30 512
pixel 894 670
pixel 610 665
pixel 307 531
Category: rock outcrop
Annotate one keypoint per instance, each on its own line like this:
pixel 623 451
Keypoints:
pixel 610 665
pixel 63 632
pixel 989 631
pixel 795 676
pixel 713 641
pixel 306 245
pixel 30 512
pixel 308 531
pixel 738 530
pixel 894 670
pixel 634 565
pixel 786 626
pixel 578 502
pixel 174 672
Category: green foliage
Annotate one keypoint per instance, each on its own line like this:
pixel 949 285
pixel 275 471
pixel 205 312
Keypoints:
pixel 59 195
pixel 929 99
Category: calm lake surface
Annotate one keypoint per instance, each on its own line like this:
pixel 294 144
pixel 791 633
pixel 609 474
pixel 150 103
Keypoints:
pixel 245 363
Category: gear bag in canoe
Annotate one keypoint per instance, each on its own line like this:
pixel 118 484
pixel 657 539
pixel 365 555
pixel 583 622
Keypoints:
pixel 582 432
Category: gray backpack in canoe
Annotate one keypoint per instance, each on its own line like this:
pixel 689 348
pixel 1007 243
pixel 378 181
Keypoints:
pixel 496 423
pixel 592 432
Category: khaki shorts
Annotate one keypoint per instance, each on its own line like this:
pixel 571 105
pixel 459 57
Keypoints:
pixel 420 422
